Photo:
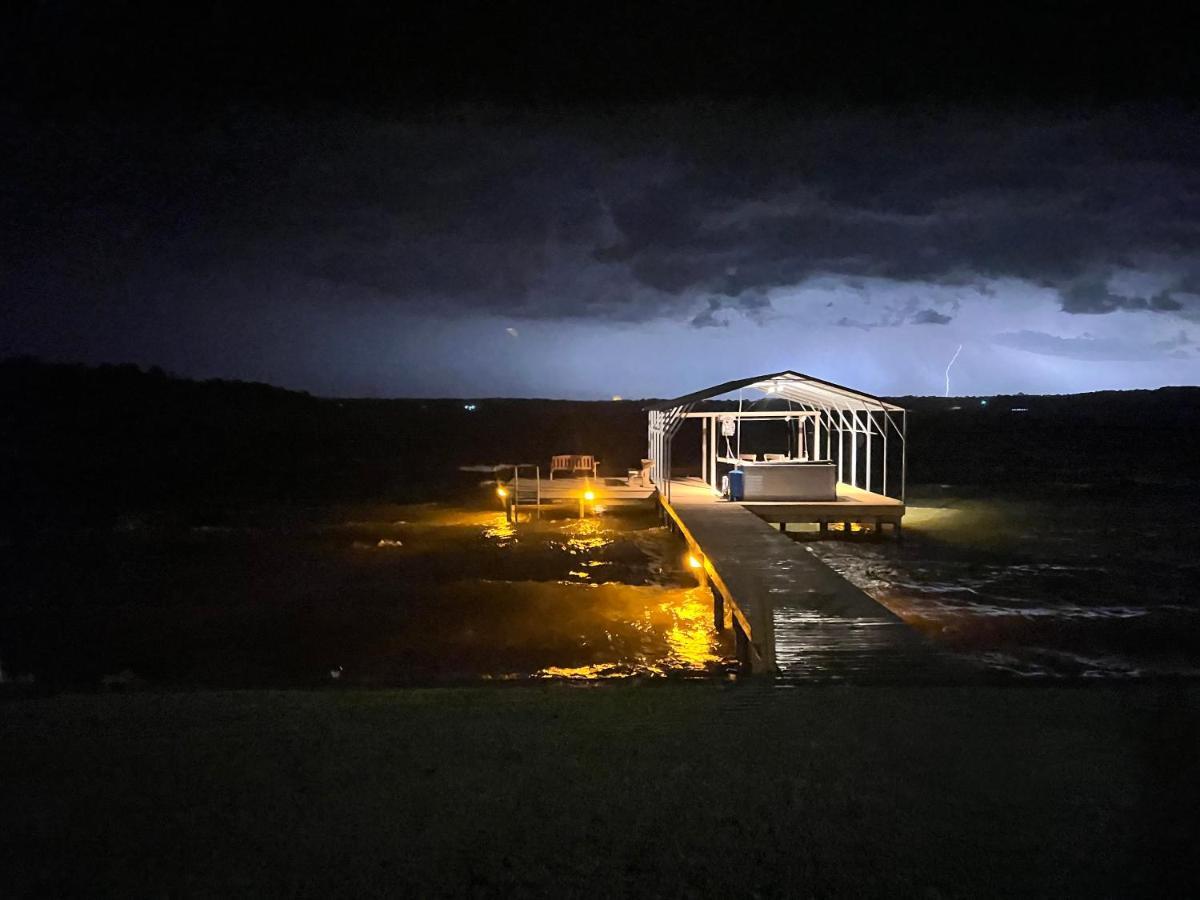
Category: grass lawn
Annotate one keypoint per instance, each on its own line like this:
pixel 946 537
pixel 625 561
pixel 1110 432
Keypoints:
pixel 660 789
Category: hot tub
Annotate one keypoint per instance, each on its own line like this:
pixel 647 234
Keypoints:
pixel 790 480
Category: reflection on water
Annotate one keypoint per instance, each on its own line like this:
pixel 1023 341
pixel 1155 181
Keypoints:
pixel 691 635
pixel 401 594
pixel 587 673
pixel 380 595
pixel 500 531
pixel 582 599
pixel 676 637
pixel 583 536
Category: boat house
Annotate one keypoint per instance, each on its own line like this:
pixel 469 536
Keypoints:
pixel 776 450
pixel 790 447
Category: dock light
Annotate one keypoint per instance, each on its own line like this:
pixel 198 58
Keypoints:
pixel 501 492
pixel 693 562
pixel 589 496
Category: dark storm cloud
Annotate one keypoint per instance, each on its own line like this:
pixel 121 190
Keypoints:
pixel 753 306
pixel 707 317
pixel 893 315
pixel 1095 297
pixel 691 212
pixel 930 317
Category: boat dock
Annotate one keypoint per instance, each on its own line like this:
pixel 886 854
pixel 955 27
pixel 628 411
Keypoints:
pixel 790 613
pixel 809 453
pixel 530 493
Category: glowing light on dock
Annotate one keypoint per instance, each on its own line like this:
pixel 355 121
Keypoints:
pixel 501 492
pixel 693 562
pixel 589 496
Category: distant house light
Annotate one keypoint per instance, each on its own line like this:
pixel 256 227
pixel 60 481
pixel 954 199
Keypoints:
pixel 983 403
pixel 617 397
pixel 1019 409
pixel 469 407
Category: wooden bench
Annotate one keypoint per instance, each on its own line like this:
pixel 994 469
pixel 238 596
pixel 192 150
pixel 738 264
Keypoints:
pixel 573 463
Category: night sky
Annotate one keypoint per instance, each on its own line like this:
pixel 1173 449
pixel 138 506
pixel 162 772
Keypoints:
pixel 572 201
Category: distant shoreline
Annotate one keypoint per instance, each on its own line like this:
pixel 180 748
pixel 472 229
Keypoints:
pixel 153 371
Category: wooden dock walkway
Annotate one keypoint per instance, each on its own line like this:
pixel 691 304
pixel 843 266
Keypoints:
pixel 530 494
pixel 790 612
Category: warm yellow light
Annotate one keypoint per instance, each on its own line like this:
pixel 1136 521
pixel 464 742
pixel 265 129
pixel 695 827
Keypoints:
pixel 693 562
pixel 501 492
pixel 589 496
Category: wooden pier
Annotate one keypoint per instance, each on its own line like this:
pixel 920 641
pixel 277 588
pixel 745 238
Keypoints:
pixel 530 494
pixel 790 612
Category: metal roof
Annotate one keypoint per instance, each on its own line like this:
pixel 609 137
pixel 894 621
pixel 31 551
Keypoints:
pixel 794 386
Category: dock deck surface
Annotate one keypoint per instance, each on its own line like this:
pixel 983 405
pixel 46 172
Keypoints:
pixel 529 494
pixel 801 617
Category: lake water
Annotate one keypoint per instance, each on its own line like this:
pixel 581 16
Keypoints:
pixel 1073 583
pixel 383 594
pixel 1063 587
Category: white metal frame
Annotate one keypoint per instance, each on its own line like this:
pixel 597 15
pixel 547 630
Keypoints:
pixel 856 419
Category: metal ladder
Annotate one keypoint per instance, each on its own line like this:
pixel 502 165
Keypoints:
pixel 527 491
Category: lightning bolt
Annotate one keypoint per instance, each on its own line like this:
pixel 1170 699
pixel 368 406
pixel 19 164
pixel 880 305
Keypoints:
pixel 952 359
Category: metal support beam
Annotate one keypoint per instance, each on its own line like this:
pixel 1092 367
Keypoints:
pixel 715 434
pixel 885 458
pixel 870 441
pixel 854 448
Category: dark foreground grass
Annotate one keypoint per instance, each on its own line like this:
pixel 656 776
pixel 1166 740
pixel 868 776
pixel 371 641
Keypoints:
pixel 652 789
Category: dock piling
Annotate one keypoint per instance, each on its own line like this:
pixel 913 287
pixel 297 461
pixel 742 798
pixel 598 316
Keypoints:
pixel 742 646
